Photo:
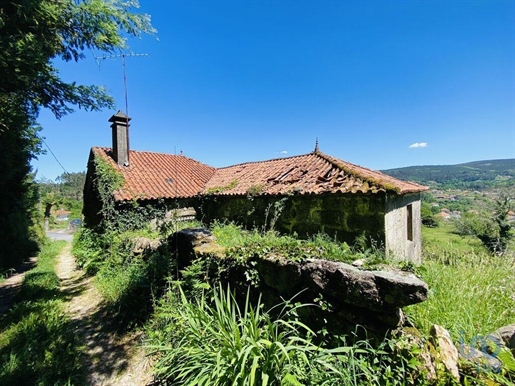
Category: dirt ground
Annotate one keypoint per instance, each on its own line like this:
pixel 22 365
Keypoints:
pixel 9 288
pixel 109 359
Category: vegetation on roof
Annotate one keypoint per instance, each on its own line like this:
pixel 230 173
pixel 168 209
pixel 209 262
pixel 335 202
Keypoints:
pixel 221 189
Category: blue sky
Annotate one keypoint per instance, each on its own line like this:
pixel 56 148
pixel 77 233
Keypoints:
pixel 381 84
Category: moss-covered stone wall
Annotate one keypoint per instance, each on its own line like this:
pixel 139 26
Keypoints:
pixel 343 216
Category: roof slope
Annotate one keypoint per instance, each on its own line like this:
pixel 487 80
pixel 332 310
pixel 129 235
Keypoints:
pixel 157 175
pixel 311 173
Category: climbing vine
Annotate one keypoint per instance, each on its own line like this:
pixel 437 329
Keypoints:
pixel 129 215
pixel 107 180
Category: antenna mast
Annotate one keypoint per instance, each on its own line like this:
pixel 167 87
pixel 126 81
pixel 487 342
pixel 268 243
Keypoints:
pixel 122 56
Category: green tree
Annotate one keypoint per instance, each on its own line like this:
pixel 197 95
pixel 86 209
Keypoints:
pixel 34 34
pixel 491 225
pixel 428 216
pixel 19 233
pixel 71 185
pixel 66 192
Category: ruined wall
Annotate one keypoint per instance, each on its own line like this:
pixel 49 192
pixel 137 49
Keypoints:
pixel 346 296
pixel 343 216
pixel 403 227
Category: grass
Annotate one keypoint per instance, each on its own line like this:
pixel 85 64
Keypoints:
pixel 243 244
pixel 38 345
pixel 444 236
pixel 472 293
pixel 212 340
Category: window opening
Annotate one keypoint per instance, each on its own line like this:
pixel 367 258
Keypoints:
pixel 410 221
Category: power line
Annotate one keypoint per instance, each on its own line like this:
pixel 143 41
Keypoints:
pixel 51 152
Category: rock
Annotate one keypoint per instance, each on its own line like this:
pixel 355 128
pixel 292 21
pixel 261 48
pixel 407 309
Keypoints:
pixel 280 274
pixel 358 263
pixel 477 361
pixel 375 290
pixel 194 237
pixel 184 243
pixel 447 352
pixel 142 243
pixel 399 288
pixel 369 298
pixel 503 337
pixel 350 296
pixel 414 338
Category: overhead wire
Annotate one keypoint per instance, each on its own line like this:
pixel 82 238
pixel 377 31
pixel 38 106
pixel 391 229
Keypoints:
pixel 55 157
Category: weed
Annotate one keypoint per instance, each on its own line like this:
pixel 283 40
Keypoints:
pixel 216 341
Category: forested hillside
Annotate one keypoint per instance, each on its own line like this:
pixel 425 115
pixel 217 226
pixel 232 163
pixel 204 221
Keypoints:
pixel 471 175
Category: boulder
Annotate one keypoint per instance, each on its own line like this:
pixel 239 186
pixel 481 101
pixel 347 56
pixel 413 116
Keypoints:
pixel 184 242
pixel 382 291
pixel 446 351
pixel 415 340
pixel 503 337
pixel 142 244
pixel 476 361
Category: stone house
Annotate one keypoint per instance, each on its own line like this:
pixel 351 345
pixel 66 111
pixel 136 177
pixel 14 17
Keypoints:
pixel 303 194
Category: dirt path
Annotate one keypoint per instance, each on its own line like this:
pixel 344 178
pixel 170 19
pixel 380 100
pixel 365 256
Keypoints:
pixel 109 359
pixel 10 287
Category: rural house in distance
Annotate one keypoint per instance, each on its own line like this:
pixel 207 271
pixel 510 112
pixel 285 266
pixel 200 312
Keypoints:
pixel 305 194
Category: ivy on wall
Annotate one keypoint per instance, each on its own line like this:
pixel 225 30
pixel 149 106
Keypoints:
pixel 126 215
pixel 107 179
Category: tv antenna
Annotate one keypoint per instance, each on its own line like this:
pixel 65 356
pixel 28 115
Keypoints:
pixel 122 56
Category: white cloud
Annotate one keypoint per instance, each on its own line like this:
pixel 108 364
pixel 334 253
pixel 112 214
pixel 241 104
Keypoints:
pixel 418 144
pixel 283 152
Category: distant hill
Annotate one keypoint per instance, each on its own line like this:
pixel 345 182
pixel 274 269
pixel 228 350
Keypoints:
pixel 471 175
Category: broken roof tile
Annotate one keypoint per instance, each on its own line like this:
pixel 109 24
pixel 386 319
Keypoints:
pixel 156 175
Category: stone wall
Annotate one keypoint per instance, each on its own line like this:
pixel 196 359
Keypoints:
pixel 341 216
pixel 400 242
pixel 344 296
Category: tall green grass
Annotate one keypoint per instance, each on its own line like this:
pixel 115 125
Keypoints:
pixel 471 292
pixel 38 345
pixel 213 340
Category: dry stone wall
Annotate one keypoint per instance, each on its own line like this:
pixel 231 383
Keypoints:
pixel 343 296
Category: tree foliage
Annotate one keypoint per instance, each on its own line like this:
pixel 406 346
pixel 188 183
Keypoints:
pixel 35 32
pixel 34 35
pixel 19 231
pixel 478 175
pixel 491 225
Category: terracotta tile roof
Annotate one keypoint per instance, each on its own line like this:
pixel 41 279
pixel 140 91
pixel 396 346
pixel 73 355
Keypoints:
pixel 310 173
pixel 157 175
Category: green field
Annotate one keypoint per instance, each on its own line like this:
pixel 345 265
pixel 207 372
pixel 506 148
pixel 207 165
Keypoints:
pixel 444 236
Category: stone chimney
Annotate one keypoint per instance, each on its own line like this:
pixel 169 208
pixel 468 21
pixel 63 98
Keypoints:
pixel 120 128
